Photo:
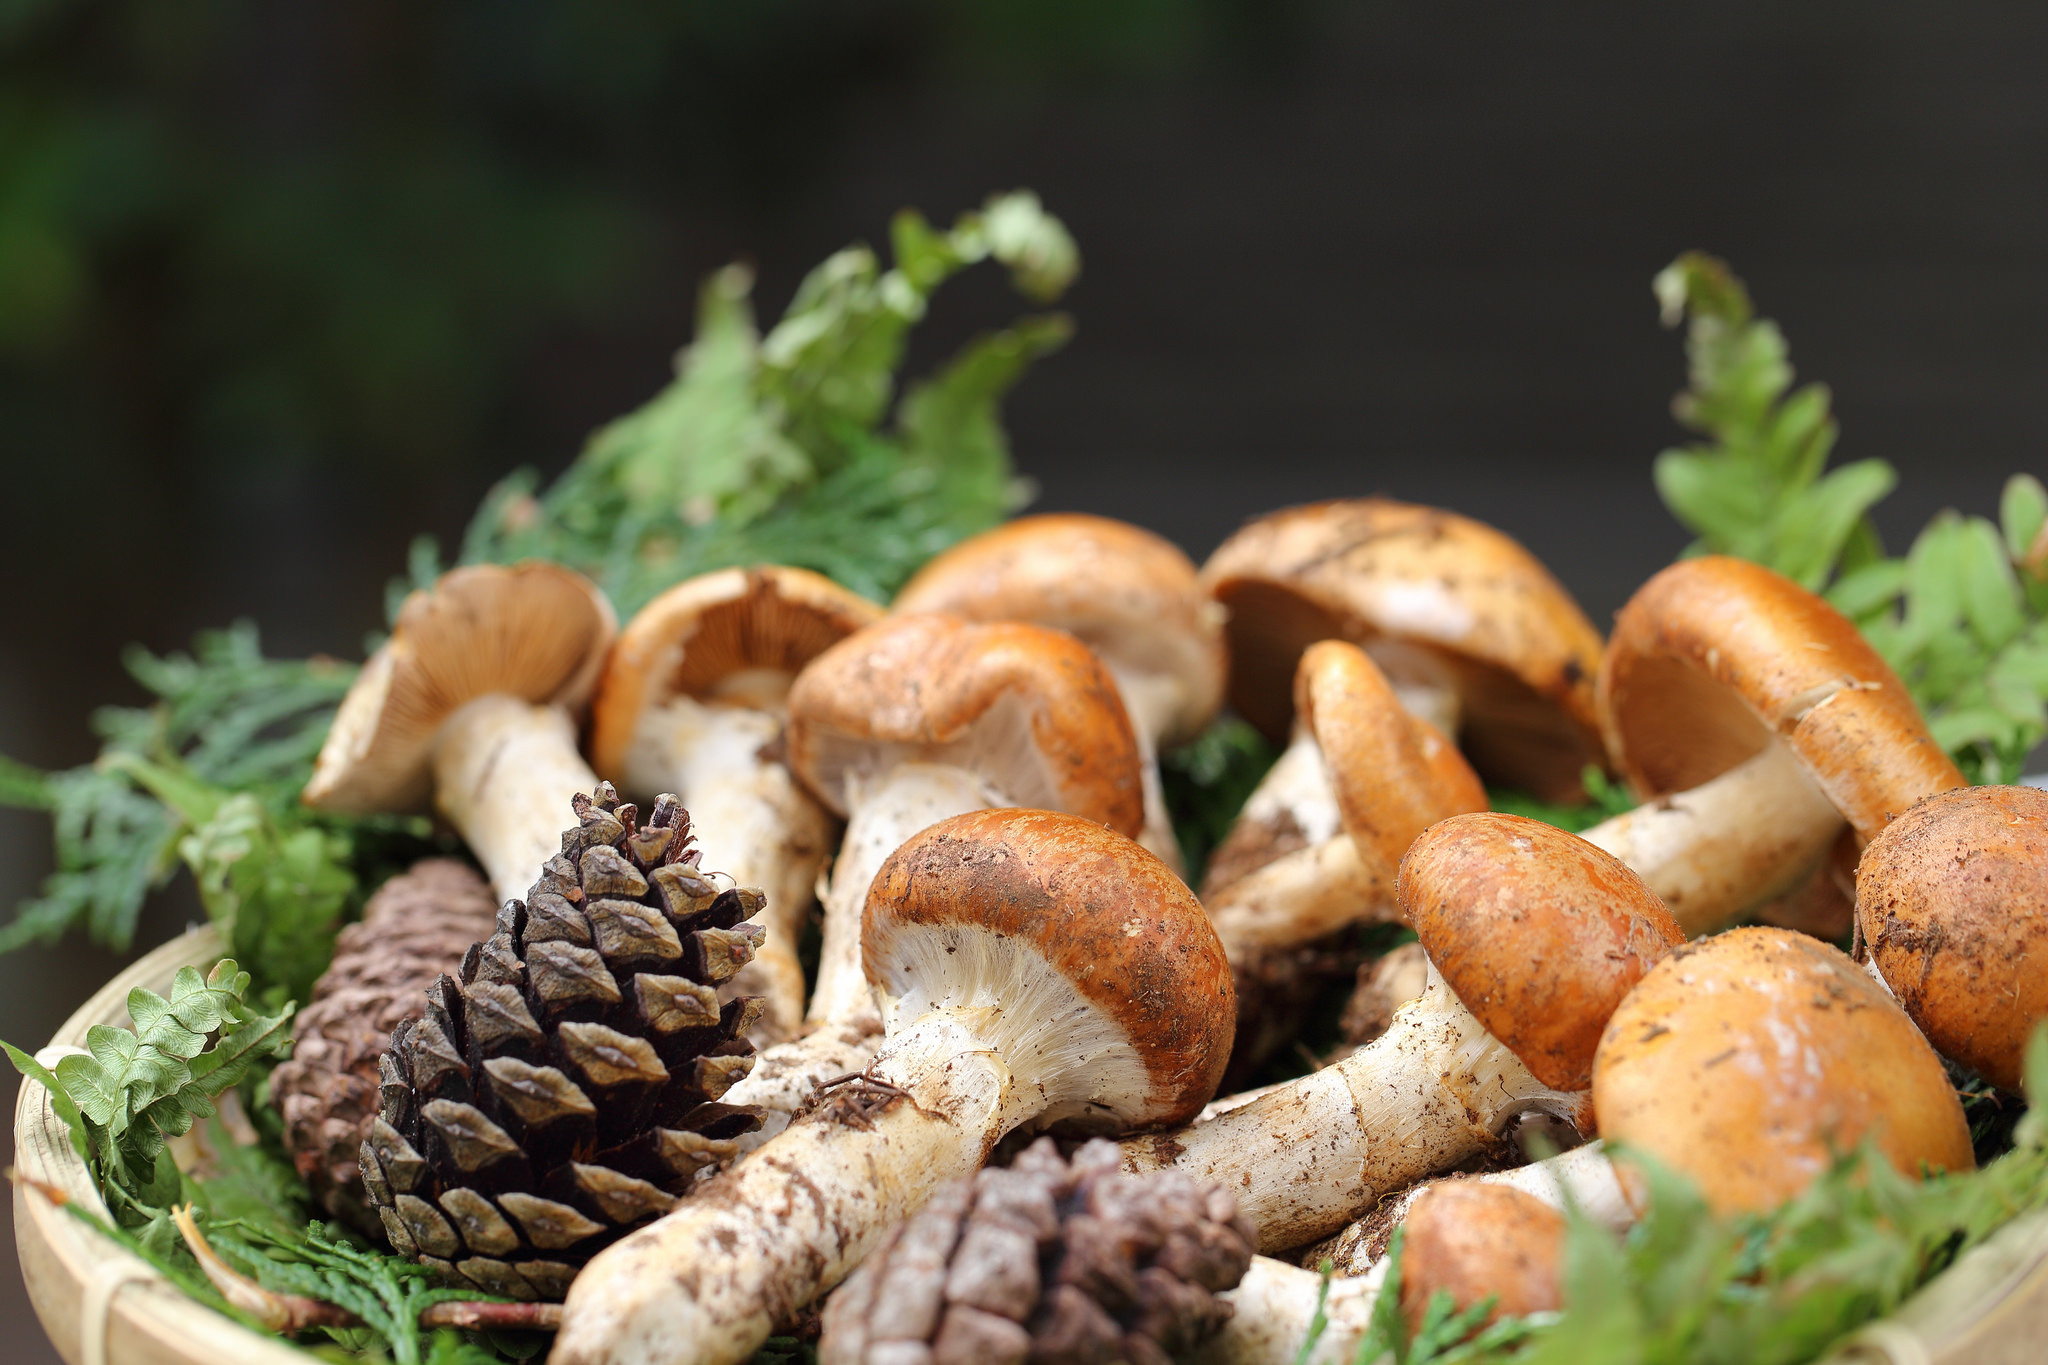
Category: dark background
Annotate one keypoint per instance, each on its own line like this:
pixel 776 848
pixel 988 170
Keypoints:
pixel 282 285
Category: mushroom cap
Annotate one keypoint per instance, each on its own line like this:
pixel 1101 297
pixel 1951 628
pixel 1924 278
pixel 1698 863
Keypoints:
pixel 1538 932
pixel 1477 608
pixel 1127 594
pixel 1748 1060
pixel 710 629
pixel 1030 709
pixel 1953 900
pixel 1064 897
pixel 1714 656
pixel 1394 773
pixel 1474 1240
pixel 532 630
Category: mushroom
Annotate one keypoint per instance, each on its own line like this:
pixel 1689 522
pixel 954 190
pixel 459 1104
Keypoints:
pixel 1456 1229
pixel 1753 719
pixel 901 725
pixel 1127 594
pixel 1475 1242
pixel 1750 1060
pixel 1318 842
pixel 693 701
pixel 470 703
pixel 1475 634
pixel 1533 936
pixel 1583 1175
pixel 1952 899
pixel 1034 969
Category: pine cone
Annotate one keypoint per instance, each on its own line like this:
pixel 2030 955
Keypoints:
pixel 566 1089
pixel 1047 1263
pixel 415 927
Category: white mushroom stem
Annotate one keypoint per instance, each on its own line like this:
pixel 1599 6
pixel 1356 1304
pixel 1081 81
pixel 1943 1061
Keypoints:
pixel 845 1027
pixel 1308 892
pixel 753 821
pixel 882 813
pixel 1000 1040
pixel 1150 701
pixel 1420 679
pixel 1273 1306
pixel 504 773
pixel 1728 844
pixel 1310 1156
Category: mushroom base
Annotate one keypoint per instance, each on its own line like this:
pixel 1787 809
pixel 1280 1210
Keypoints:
pixel 1275 1303
pixel 1314 1154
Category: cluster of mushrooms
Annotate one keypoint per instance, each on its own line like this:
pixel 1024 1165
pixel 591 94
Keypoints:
pixel 967 784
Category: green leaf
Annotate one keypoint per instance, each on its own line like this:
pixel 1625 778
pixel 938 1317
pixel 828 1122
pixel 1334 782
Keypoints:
pixel 2022 512
pixel 1990 591
pixel 24 787
pixel 61 1102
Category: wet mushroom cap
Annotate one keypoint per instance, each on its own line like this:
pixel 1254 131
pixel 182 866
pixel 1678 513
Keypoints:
pixel 1395 774
pixel 1476 1241
pixel 731 625
pixel 1714 656
pixel 1748 1060
pixel 534 630
pixel 1126 593
pixel 1539 933
pixel 1953 901
pixel 1470 603
pixel 1076 904
pixel 1032 704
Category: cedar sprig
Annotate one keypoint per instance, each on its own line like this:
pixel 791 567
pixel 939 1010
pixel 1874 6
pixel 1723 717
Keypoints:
pixel 773 448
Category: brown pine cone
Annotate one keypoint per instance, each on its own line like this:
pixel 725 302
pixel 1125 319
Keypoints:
pixel 1047 1263
pixel 417 926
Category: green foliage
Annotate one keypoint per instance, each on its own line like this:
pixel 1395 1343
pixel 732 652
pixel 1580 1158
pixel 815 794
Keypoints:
pixel 1206 783
pixel 1758 487
pixel 772 449
pixel 1685 1286
pixel 210 771
pixel 1606 799
pixel 135 1089
pixel 1963 617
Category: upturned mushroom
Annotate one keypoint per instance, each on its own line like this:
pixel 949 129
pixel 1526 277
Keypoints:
pixel 693 700
pixel 1318 843
pixel 1754 720
pixel 1750 1060
pixel 1033 969
pixel 1533 936
pixel 1952 899
pixel 471 705
pixel 901 725
pixel 1473 631
pixel 1127 594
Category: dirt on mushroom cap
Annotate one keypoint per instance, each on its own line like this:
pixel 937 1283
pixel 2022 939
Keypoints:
pixel 1953 901
pixel 1748 1061
pixel 1539 933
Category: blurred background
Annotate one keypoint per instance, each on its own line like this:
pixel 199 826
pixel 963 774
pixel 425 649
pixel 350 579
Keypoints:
pixel 284 285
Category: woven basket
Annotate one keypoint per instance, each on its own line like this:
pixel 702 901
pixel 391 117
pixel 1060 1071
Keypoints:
pixel 102 1306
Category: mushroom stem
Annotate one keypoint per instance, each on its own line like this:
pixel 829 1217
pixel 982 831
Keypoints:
pixel 765 830
pixel 1273 1305
pixel 1420 679
pixel 1307 1158
pixel 504 769
pixel 883 812
pixel 1151 700
pixel 834 1186
pixel 1308 892
pixel 1728 844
